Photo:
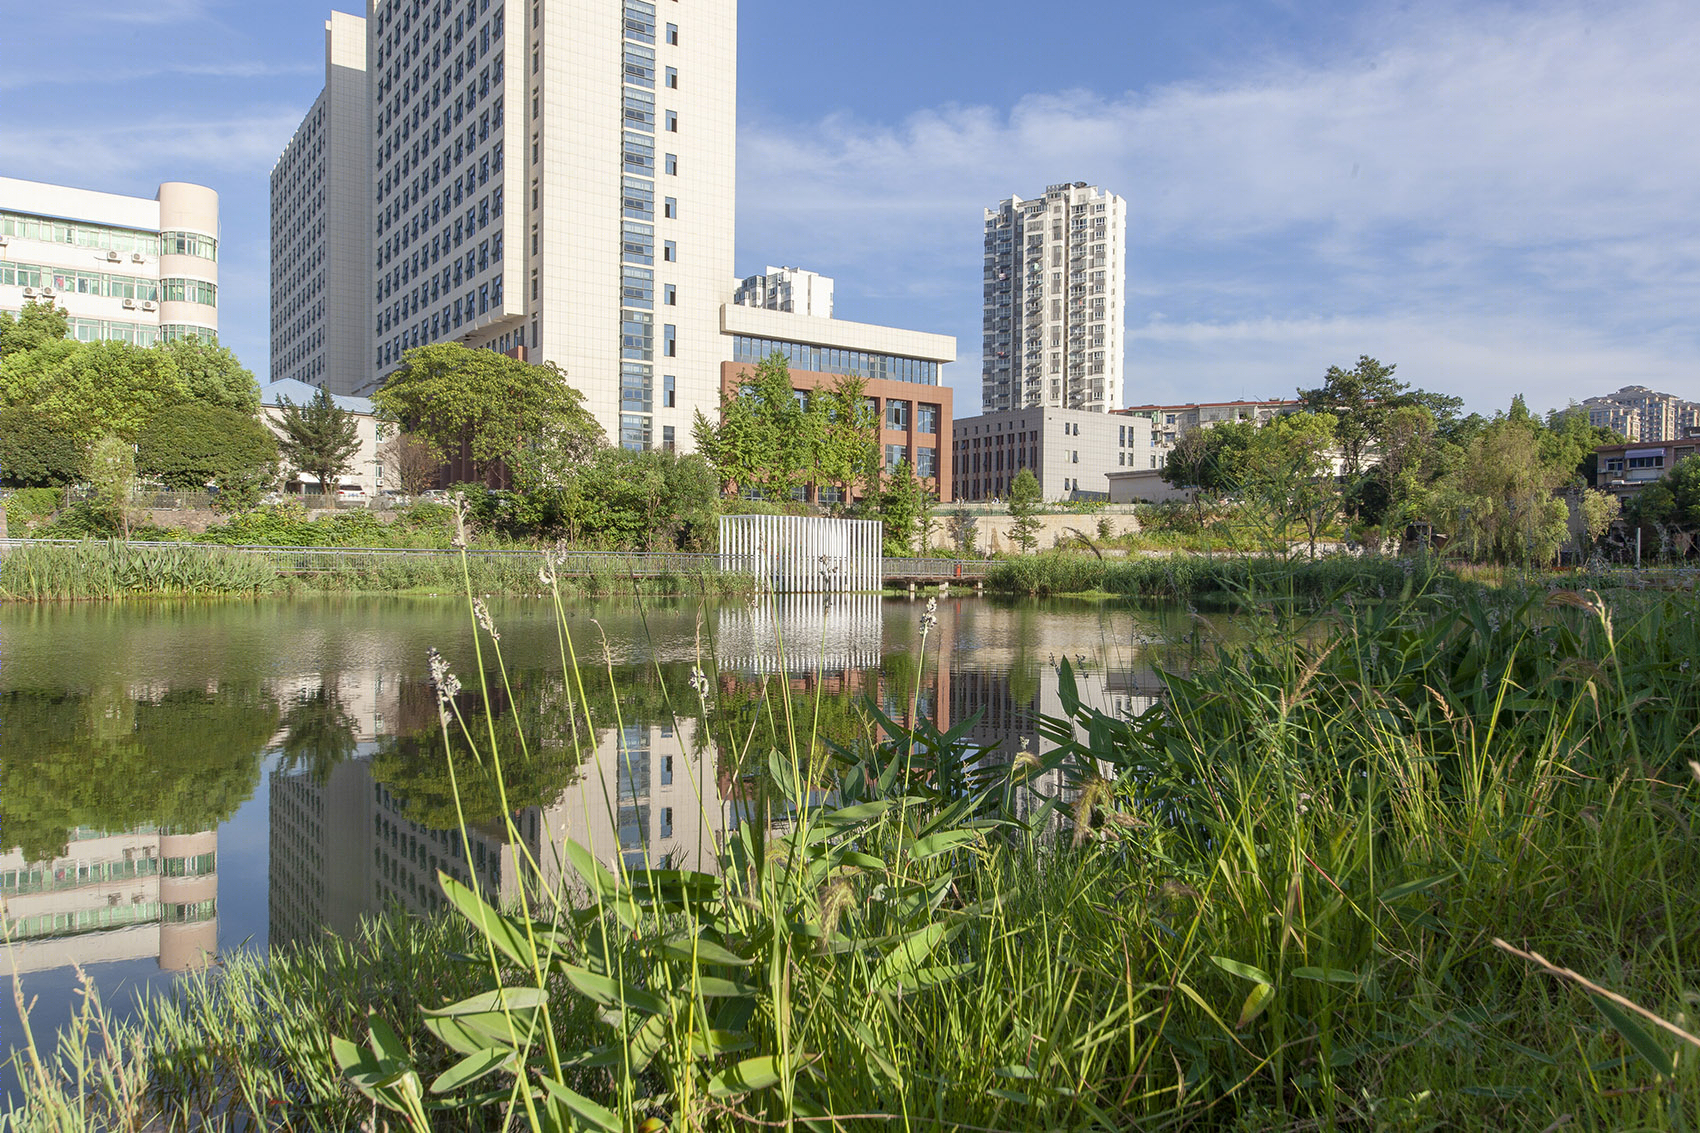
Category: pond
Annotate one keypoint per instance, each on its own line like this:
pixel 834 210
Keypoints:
pixel 182 780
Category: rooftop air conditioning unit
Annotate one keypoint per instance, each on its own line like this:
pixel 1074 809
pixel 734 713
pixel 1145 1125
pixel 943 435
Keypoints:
pixel 4 240
pixel 137 258
pixel 149 305
pixel 47 292
pixel 129 304
pixel 113 257
pixel 29 293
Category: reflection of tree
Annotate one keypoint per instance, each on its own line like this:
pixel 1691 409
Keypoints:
pixel 183 760
pixel 544 708
pixel 411 764
pixel 750 717
pixel 320 734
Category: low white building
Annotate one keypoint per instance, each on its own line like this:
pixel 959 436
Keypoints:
pixel 1071 451
pixel 365 471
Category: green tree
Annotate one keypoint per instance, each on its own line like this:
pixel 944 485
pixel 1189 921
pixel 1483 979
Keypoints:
pixel 899 505
pixel 37 324
pixel 484 404
pixel 765 440
pixel 1290 475
pixel 961 525
pixel 212 375
pixel 319 438
pixel 1683 481
pixel 36 452
pixel 619 500
pixel 847 434
pixel 93 389
pixel 1599 510
pixel 1361 401
pixel 1213 460
pixel 1499 501
pixel 112 473
pixel 191 446
pixel 1024 497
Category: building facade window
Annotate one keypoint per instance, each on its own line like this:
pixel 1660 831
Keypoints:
pixel 896 414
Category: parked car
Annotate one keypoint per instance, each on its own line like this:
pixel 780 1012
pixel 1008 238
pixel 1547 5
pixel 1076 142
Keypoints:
pixel 348 494
pixel 435 495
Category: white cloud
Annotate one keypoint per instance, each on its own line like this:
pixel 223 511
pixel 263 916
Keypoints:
pixel 1477 188
pixel 100 76
pixel 248 141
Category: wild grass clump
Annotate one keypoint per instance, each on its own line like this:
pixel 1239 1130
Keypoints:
pixel 118 570
pixel 1274 901
pixel 1193 577
pixel 114 569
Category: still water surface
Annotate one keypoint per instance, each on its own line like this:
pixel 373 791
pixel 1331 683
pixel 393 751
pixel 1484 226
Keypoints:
pixel 178 781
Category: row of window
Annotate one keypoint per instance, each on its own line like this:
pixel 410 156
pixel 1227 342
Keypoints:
pixel 137 334
pixel 188 291
pixel 110 916
pixel 107 238
pixel 78 282
pixel 827 360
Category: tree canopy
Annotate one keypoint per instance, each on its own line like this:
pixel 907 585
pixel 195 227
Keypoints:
pixel 1363 402
pixel 191 446
pixel 212 375
pixel 648 501
pixel 484 404
pixel 36 452
pixel 90 390
pixel 319 438
pixel 37 324
pixel 774 440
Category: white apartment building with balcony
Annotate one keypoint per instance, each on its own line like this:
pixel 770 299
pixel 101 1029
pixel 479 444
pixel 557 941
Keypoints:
pixel 130 269
pixel 1055 300
pixel 792 290
pixel 555 179
pixel 321 227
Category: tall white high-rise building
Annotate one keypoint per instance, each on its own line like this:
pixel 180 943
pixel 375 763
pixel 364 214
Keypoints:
pixel 130 269
pixel 1055 299
pixel 555 178
pixel 321 205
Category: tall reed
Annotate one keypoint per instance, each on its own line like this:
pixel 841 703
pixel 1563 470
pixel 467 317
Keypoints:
pixel 1270 902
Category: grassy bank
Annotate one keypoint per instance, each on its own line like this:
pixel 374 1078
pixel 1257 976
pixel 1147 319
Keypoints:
pixel 112 570
pixel 1273 902
pixel 1187 577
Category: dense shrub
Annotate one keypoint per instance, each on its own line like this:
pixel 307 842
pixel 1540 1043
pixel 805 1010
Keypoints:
pixel 35 451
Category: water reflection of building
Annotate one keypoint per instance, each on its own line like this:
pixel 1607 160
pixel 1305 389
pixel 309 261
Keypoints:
pixel 347 848
pixel 123 896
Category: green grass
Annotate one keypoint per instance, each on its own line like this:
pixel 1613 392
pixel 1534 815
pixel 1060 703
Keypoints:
pixel 1182 577
pixel 113 570
pixel 1269 903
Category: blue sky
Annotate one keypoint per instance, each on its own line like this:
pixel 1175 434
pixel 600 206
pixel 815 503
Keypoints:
pixel 1501 198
